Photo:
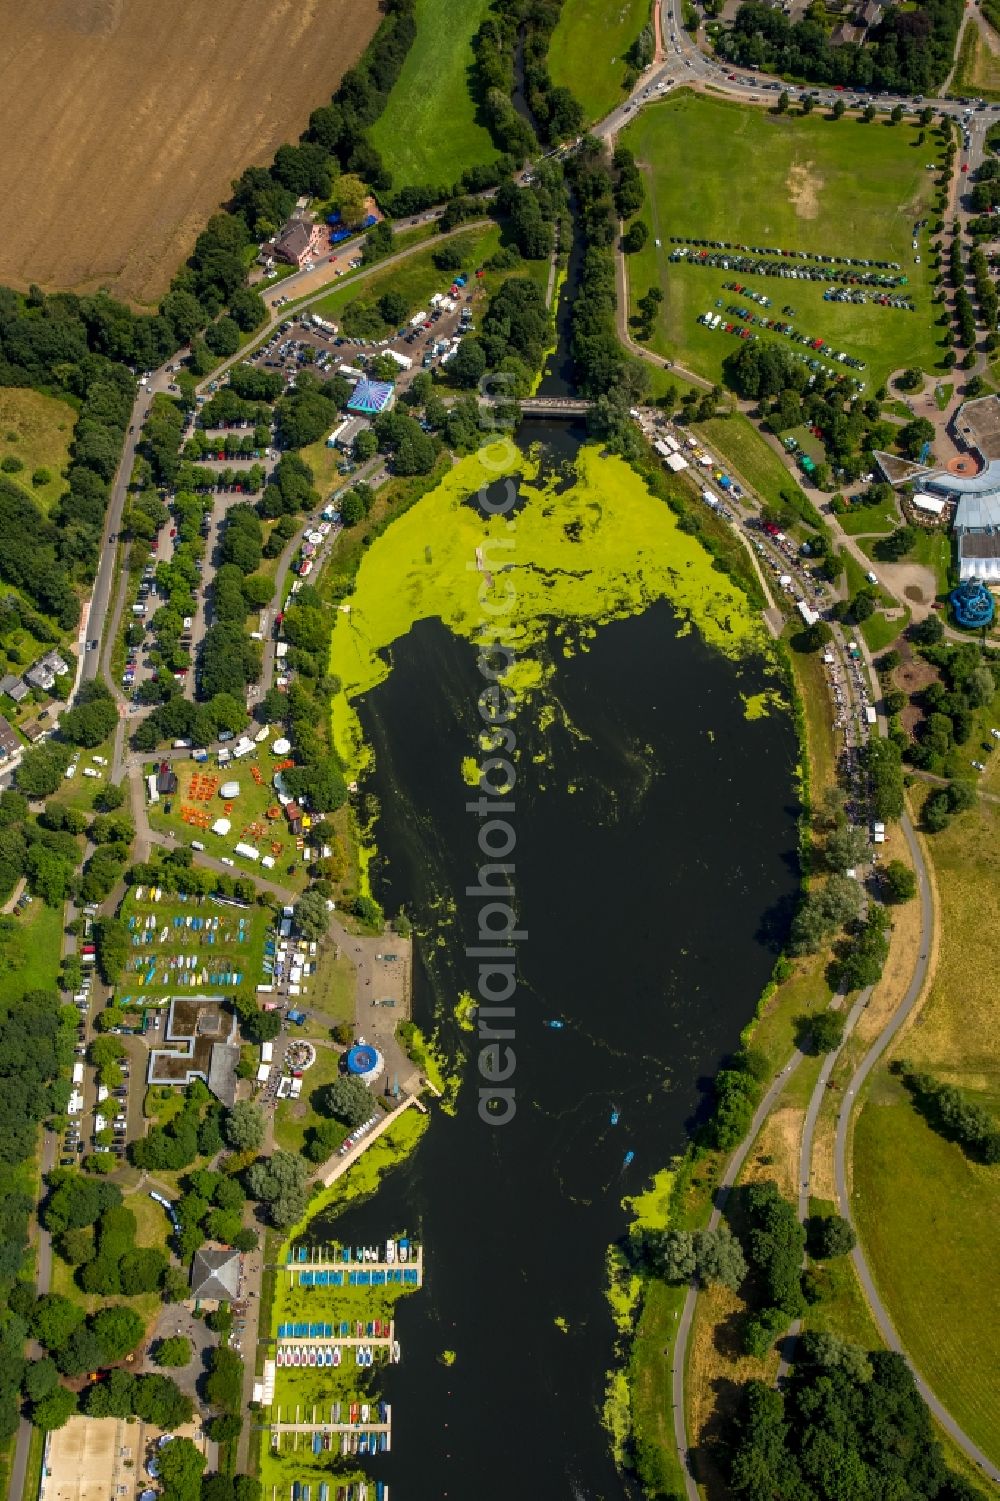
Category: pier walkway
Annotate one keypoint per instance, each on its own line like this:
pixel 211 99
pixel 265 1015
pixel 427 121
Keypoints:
pixel 333 1271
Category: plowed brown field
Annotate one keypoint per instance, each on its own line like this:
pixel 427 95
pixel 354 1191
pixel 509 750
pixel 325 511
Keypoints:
pixel 125 121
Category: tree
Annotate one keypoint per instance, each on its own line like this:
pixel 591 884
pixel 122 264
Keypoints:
pixel 393 306
pixel 243 1127
pixel 828 1236
pixel 783 102
pixel 839 107
pixel 897 114
pixel 846 847
pixel 674 1256
pixel 635 237
pixel 181 1465
pixel 719 1257
pixel 912 436
pixel 900 881
pixel 55 1319
pixel 761 1331
pixel 311 916
pixel 280 1182
pixel 55 1410
pixel 118 1329
pixel 468 365
pixel 40 1378
pixel 821 1033
pixel 346 1099
pixel 175 1351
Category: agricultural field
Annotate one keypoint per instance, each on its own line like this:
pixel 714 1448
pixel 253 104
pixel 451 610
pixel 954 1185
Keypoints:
pixel 191 944
pixel 149 113
pixel 428 132
pixel 588 47
pixel 721 171
pixel 37 431
pixel 254 815
pixel 927 1214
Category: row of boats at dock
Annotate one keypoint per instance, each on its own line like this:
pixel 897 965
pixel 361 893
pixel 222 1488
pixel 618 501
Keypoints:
pixel 332 1355
pixel 360 1490
pixel 393 1251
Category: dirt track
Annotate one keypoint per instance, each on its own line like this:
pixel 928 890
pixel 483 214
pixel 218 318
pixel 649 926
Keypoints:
pixel 126 120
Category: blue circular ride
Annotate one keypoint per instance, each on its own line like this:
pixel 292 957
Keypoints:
pixel 363 1060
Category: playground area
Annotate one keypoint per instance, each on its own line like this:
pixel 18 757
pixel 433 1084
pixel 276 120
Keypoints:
pixel 181 943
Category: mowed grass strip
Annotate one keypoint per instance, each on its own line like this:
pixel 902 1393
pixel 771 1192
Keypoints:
pixel 37 430
pixel 428 132
pixel 722 171
pixel 417 277
pixel 927 1215
pixel 587 50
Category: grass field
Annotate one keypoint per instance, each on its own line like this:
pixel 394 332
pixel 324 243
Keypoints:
pixel 248 816
pixel 170 956
pixel 293 1118
pixel 158 109
pixel 428 132
pixel 587 50
pixel 37 430
pixel 415 278
pixel 737 440
pixel 29 957
pixel 856 521
pixel 927 1215
pixel 718 170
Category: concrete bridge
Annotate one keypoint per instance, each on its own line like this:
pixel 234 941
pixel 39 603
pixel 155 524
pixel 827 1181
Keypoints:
pixel 555 406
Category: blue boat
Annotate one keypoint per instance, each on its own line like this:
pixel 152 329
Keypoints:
pixel 556 1025
pixel 629 1157
pixel 614 1115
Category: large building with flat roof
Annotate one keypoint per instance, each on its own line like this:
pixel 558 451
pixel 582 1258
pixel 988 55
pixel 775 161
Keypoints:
pixel 971 483
pixel 203 1032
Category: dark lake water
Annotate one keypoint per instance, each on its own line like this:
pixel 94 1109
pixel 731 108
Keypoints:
pixel 655 862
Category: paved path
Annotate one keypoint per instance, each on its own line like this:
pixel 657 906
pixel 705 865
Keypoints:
pixel 730 1174
pixel 842 1142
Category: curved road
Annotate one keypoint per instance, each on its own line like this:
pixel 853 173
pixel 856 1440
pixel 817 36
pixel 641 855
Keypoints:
pixel 864 1068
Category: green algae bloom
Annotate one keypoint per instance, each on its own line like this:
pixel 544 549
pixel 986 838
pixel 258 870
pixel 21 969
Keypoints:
pixel 568 560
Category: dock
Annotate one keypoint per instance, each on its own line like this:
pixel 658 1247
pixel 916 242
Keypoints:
pixel 323 1268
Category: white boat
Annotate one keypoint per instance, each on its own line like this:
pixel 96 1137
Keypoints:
pixel 404 1253
pixel 395 1352
pixel 390 1250
pixel 365 1410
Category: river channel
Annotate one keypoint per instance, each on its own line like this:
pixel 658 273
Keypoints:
pixel 655 868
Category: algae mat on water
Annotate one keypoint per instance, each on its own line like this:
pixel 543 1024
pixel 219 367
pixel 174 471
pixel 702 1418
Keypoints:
pixel 570 557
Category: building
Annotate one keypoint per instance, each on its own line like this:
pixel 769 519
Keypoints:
pixel 204 1032
pixel 166 780
pixel 9 743
pixel 344 435
pixel 973 605
pixel 43 673
pixel 297 242
pixel 372 397
pixel 215 1275
pixel 971 483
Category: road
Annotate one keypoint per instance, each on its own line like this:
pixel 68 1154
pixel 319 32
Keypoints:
pixel 842 1142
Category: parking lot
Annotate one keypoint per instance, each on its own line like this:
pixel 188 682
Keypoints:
pixel 423 343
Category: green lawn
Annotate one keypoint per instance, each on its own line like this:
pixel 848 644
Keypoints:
pixel 171 956
pixel 933 549
pixel 37 430
pixel 926 1214
pixel 719 170
pixel 428 132
pixel 293 1118
pixel 856 521
pixel 29 956
pixel 248 816
pixel 587 50
pixel 737 440
pixel 879 631
pixel 927 1218
pixel 417 277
